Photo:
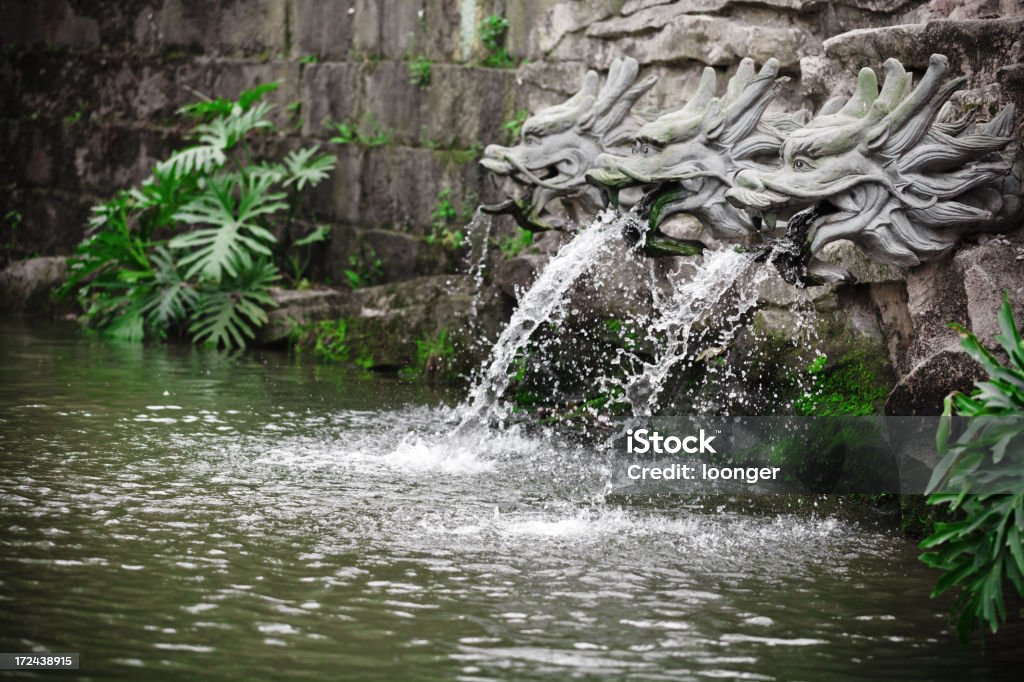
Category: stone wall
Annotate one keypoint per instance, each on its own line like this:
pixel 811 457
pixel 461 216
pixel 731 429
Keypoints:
pixel 91 87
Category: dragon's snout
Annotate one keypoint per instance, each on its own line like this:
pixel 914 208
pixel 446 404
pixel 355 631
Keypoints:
pixel 748 191
pixel 496 159
pixel 606 171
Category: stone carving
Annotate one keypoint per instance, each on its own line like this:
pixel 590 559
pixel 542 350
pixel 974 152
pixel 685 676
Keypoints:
pixel 884 174
pixel 685 158
pixel 558 146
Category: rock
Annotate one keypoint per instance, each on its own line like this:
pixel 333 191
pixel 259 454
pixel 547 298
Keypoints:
pixel 324 28
pixel 385 322
pixel 299 307
pixel 975 48
pixel 664 34
pixel 515 275
pixel 330 94
pixel 401 256
pixel 26 285
pixel 846 255
pixel 987 271
pixel 387 28
pixel 49 21
pixel 935 298
pixel 890 300
pixel 708 6
pixel 775 291
pixel 966 289
pixel 560 20
pixel 923 389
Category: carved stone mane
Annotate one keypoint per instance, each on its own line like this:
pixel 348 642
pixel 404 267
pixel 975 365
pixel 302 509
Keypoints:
pixel 559 144
pixel 898 181
pixel 686 158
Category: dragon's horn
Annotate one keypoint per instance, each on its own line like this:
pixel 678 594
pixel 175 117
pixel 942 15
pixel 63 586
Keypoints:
pixel 1002 124
pixel 618 96
pixel 713 122
pixel 895 86
pixel 744 112
pixel 738 83
pixel 914 115
pixel 705 91
pixel 563 116
pixel 863 95
pixel 833 105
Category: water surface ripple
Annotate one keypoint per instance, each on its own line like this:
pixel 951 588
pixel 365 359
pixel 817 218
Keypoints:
pixel 171 513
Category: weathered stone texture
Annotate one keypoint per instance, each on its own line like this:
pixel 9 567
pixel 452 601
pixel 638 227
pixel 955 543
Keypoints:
pixel 91 90
pixel 25 286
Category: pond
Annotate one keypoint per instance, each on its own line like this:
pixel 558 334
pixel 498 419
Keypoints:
pixel 175 513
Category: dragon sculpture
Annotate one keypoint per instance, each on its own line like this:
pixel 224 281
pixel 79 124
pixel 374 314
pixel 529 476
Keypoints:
pixel 685 159
pixel 884 174
pixel 558 146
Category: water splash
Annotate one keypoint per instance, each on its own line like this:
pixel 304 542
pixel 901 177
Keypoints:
pixel 478 235
pixel 543 302
pixel 717 290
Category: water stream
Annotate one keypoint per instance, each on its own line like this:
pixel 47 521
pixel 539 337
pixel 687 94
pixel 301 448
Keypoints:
pixel 715 290
pixel 172 513
pixel 541 303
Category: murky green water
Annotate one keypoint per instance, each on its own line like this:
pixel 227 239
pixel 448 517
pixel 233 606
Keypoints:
pixel 176 514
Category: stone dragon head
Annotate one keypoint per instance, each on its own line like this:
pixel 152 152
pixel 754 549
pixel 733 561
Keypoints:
pixel 685 159
pixel 882 173
pixel 558 146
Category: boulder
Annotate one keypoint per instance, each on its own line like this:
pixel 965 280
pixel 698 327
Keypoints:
pixel 966 289
pixel 515 275
pixel 387 324
pixel 988 271
pixel 922 390
pixel 665 33
pixel 401 256
pixel 26 285
pixel 846 255
pixel 296 307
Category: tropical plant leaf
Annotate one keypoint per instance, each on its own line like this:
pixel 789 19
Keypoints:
pixel 202 158
pixel 129 323
pixel 253 95
pixel 225 107
pixel 319 234
pixel 173 297
pixel 234 230
pixel 304 168
pixel 228 316
pixel 983 547
pixel 216 275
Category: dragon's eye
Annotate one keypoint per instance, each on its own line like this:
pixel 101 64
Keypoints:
pixel 532 140
pixel 802 164
pixel 646 149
